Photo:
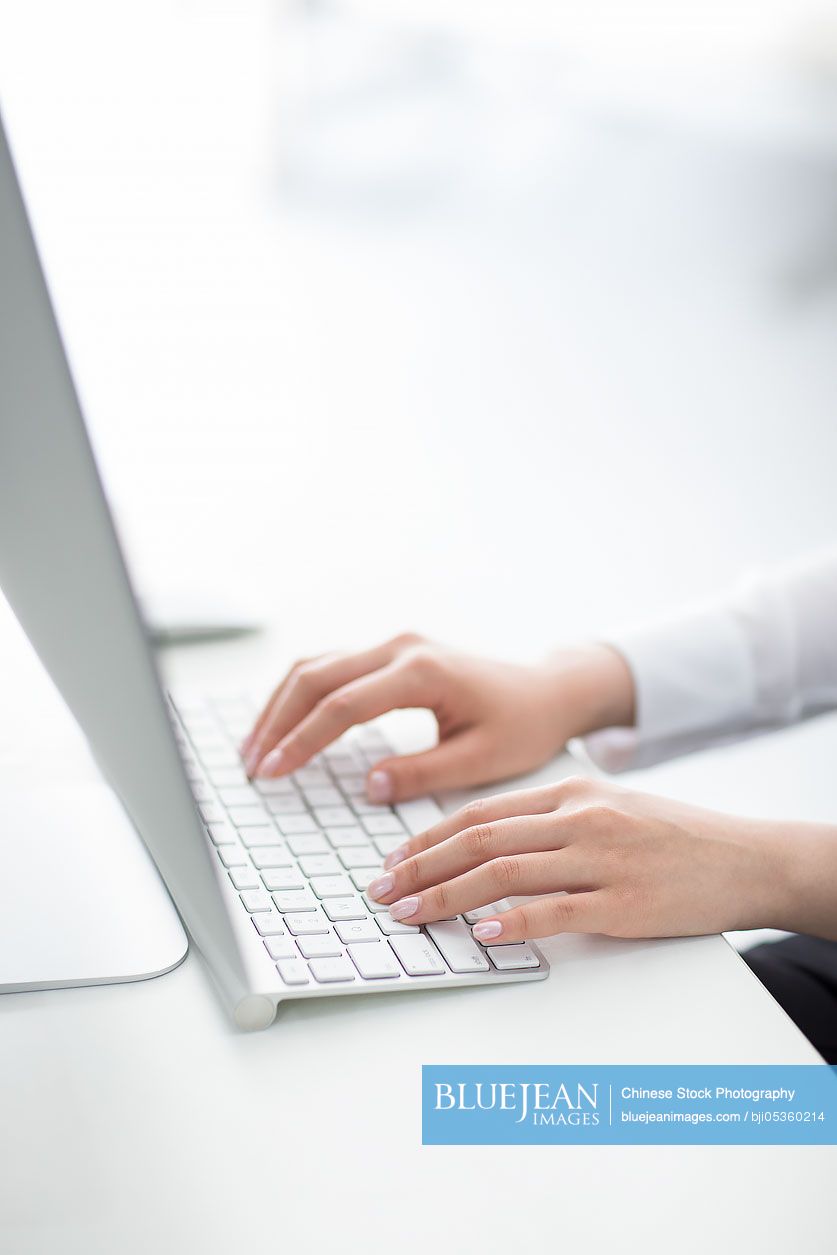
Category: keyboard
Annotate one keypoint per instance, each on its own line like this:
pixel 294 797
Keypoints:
pixel 300 852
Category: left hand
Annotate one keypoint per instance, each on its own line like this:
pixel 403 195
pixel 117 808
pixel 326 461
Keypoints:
pixel 606 859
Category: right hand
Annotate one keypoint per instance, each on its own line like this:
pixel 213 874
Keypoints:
pixel 495 719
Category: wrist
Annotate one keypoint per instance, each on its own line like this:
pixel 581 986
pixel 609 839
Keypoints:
pixel 803 896
pixel 590 687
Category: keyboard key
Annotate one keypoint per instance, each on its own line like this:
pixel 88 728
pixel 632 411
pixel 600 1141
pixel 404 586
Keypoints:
pixel 220 757
pixel 350 773
pixel 283 878
pixel 295 900
pixel 273 788
pixel 363 876
pixel 334 816
pixel 293 972
pixel 211 812
pixel 342 760
pixel 280 947
pixel 328 971
pixel 510 958
pixel 372 905
pixel 320 946
pixel 238 796
pixel 460 951
pixel 419 815
pixel 256 900
pixel 358 930
pixel 312 776
pixel 483 912
pixel 247 816
pixel 308 844
pixel 307 922
pixel 418 955
pixel 221 834
pixel 288 824
pixel 344 908
pixel 270 856
pixel 269 924
pixel 383 825
pixel 375 961
pixel 279 807
pixel 352 834
pixel 362 806
pixel 322 795
pixel 331 886
pixel 245 878
pixel 385 845
pixel 266 834
pixel 359 856
pixel 227 777
pixel 319 865
pixel 232 855
pixel 390 926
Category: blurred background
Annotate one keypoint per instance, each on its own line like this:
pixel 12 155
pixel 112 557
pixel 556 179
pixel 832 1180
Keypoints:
pixel 503 322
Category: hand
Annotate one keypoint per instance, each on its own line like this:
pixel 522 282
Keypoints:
pixel 495 719
pixel 632 865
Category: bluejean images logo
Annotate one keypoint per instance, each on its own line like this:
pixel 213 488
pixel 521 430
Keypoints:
pixel 738 1105
pixel 542 1102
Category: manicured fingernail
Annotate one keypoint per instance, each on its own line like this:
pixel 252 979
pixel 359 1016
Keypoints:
pixel 379 786
pixel 381 887
pixel 271 762
pixel 252 758
pixel 397 856
pixel 487 929
pixel 404 907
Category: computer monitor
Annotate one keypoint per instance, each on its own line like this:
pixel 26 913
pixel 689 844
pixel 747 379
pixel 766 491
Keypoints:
pixel 63 572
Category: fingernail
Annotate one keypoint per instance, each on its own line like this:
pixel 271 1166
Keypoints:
pixel 252 758
pixel 404 908
pixel 381 887
pixel 379 786
pixel 396 856
pixel 486 929
pixel 271 762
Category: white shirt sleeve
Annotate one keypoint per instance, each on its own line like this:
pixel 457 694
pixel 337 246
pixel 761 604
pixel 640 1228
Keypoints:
pixel 763 657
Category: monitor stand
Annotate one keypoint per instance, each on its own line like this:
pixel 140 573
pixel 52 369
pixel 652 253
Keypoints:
pixel 81 902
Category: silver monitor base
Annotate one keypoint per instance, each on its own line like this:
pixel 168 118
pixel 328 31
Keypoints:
pixel 81 902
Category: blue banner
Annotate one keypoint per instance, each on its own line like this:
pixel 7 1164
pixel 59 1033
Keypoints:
pixel 650 1105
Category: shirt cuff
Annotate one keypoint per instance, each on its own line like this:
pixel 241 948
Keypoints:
pixel 695 683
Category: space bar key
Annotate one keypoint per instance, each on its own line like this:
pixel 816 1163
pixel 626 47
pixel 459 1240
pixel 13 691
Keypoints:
pixel 460 951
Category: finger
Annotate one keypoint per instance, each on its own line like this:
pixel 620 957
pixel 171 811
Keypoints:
pixel 466 850
pixel 502 877
pixel 392 687
pixel 563 913
pixel 485 810
pixel 452 764
pixel 307 685
pixel 253 735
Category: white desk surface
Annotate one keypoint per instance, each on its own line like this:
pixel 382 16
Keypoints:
pixel 488 366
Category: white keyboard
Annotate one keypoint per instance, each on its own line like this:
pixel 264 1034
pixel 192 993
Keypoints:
pixel 301 850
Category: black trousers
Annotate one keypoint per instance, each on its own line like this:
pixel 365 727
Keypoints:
pixel 801 974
